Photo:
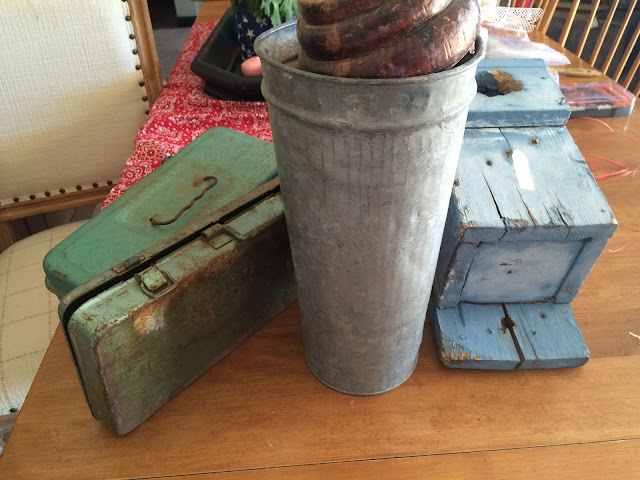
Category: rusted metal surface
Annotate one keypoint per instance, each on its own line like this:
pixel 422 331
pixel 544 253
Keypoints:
pixel 142 341
pixel 160 304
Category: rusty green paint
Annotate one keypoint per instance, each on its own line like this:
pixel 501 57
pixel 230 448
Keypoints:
pixel 240 163
pixel 135 349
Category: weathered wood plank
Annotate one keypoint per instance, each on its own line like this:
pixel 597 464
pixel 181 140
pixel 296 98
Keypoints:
pixel 558 205
pixel 524 212
pixel 479 218
pixel 448 286
pixel 539 103
pixel 548 336
pixel 519 271
pixel 473 337
pixel 565 183
pixel 564 203
pixel 586 259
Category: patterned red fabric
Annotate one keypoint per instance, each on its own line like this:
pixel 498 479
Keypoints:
pixel 182 112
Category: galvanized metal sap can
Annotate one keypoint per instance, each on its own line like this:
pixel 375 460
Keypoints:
pixel 366 170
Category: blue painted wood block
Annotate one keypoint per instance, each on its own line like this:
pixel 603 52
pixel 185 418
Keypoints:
pixel 508 337
pixel 540 102
pixel 547 336
pixel 472 336
pixel 526 223
pixel 503 243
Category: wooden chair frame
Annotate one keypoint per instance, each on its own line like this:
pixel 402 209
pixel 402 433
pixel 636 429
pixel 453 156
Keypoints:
pixel 550 7
pixel 146 46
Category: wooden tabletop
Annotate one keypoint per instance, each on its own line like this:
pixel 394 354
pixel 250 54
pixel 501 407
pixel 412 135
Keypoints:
pixel 260 413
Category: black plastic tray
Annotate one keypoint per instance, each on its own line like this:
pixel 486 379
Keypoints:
pixel 218 63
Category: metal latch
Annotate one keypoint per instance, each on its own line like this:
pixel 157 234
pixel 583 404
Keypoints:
pixel 154 282
pixel 220 234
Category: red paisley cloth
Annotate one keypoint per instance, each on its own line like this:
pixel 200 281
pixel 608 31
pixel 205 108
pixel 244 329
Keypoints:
pixel 182 112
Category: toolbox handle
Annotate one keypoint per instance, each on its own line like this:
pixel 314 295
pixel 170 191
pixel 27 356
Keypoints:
pixel 153 219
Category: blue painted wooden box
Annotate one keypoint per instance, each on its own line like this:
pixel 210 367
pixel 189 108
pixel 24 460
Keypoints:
pixel 526 223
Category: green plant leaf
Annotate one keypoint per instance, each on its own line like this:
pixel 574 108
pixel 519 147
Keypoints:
pixel 289 8
pixel 271 9
pixel 255 9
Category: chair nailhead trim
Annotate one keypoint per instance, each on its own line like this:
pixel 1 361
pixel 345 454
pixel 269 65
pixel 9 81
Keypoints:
pixel 134 51
pixel 94 185
pixel 109 182
pixel 32 197
pixel 141 83
pixel 16 199
pixel 128 18
pixel 145 98
pixel 62 190
pixel 47 193
pixel 78 187
pixel 132 36
pixel 138 67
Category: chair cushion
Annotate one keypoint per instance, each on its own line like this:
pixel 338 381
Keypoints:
pixel 71 96
pixel 28 313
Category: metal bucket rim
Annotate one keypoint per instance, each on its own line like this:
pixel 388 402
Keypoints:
pixel 430 77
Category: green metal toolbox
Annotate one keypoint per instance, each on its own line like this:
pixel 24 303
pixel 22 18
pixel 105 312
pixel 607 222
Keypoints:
pixel 149 301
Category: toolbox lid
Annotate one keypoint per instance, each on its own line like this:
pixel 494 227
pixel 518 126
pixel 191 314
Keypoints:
pixel 219 166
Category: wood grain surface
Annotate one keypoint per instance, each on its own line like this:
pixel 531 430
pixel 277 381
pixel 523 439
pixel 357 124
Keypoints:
pixel 262 408
pixel 260 413
pixel 619 460
pixel 146 48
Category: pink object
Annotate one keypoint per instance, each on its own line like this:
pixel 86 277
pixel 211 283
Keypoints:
pixel 497 31
pixel 182 112
pixel 251 67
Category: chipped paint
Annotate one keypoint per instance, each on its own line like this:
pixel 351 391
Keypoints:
pixel 150 322
pixel 452 355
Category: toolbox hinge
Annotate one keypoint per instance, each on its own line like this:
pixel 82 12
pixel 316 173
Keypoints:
pixel 154 282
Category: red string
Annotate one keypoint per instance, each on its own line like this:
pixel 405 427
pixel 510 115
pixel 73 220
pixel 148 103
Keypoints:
pixel 633 229
pixel 622 247
pixel 624 170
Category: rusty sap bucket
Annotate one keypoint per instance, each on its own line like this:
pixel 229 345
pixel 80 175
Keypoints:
pixel 366 170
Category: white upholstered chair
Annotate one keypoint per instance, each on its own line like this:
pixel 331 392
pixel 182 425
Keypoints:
pixel 78 78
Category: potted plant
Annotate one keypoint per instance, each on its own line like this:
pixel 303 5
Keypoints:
pixel 254 17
